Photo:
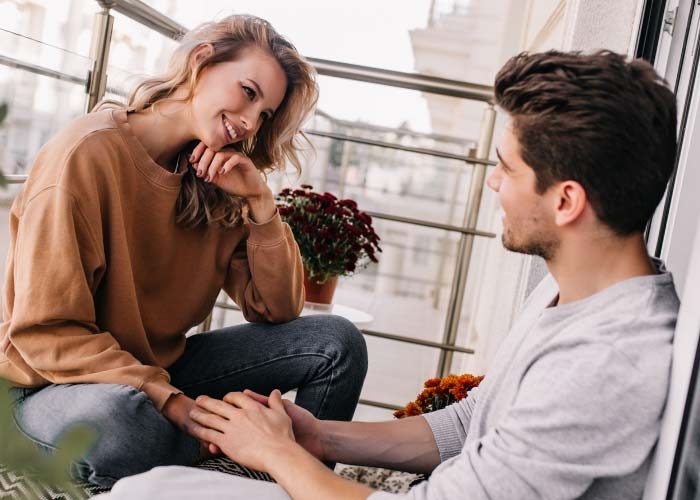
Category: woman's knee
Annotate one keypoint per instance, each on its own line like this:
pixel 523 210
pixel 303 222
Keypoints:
pixel 343 337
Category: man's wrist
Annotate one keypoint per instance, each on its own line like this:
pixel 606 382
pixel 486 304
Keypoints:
pixel 279 460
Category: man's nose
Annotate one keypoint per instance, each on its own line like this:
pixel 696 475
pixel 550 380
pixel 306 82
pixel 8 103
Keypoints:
pixel 494 180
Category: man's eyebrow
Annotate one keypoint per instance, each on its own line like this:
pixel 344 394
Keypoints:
pixel 262 95
pixel 500 158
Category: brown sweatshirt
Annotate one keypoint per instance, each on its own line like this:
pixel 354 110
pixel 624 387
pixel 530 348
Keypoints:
pixel 102 284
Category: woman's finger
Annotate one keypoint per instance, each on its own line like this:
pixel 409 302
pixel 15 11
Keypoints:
pixel 204 162
pixel 214 167
pixel 209 420
pixel 231 163
pixel 197 152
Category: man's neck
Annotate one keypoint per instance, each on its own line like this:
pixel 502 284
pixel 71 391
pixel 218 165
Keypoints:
pixel 583 268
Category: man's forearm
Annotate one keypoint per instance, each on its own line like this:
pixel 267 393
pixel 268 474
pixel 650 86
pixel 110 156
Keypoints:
pixel 407 444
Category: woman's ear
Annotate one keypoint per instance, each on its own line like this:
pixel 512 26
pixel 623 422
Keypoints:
pixel 200 53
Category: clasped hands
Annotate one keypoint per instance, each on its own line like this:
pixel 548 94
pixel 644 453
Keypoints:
pixel 253 429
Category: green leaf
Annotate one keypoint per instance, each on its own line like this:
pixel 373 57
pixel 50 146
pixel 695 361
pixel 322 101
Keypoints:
pixel 3 112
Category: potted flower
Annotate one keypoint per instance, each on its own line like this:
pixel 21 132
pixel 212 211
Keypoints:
pixel 334 237
pixel 440 392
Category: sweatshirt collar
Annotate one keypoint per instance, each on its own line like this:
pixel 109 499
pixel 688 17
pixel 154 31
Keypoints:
pixel 143 161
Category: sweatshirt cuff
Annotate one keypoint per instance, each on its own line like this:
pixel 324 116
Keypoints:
pixel 267 232
pixel 443 426
pixel 159 391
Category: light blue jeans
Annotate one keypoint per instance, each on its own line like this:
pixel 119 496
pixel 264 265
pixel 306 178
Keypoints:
pixel 323 357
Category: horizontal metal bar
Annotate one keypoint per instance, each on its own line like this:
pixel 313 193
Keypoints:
pixel 385 406
pixel 424 343
pixel 388 336
pixel 40 70
pixel 19 179
pixel 370 127
pixel 401 147
pixel 434 225
pixel 146 15
pixel 15 179
pixel 413 81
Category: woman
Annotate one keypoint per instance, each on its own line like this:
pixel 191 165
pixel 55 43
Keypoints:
pixel 118 247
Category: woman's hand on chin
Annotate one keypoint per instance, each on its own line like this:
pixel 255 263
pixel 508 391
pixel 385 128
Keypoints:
pixel 229 170
pixel 236 174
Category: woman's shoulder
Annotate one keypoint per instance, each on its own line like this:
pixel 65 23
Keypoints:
pixel 76 155
pixel 85 132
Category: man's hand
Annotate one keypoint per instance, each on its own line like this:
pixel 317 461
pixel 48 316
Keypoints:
pixel 307 428
pixel 246 431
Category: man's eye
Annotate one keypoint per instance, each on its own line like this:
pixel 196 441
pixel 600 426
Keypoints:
pixel 250 92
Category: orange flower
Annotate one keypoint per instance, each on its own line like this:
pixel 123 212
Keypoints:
pixel 439 393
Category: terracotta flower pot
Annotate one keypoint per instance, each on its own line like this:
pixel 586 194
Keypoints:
pixel 320 293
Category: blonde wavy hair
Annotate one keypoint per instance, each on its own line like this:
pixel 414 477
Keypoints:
pixel 277 140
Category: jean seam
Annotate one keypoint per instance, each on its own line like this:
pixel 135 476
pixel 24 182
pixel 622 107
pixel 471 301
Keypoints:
pixel 30 437
pixel 258 365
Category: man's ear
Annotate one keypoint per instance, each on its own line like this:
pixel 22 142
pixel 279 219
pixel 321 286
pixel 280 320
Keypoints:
pixel 570 202
pixel 200 53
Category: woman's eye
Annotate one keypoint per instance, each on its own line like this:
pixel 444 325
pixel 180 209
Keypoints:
pixel 249 92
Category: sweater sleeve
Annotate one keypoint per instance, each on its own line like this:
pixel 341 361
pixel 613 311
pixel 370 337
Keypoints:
pixel 450 425
pixel 579 415
pixel 53 330
pixel 266 277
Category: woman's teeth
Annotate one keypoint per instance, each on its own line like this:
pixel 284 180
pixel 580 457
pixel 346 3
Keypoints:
pixel 230 129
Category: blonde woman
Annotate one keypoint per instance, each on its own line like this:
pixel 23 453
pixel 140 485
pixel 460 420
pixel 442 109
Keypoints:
pixel 123 236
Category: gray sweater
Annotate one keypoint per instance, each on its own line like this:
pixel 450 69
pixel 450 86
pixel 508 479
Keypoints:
pixel 571 404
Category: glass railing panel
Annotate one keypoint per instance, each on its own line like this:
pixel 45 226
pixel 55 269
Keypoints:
pixel 406 293
pixel 373 33
pixel 44 88
pixel 137 49
pixel 65 24
pixel 381 179
pixel 397 371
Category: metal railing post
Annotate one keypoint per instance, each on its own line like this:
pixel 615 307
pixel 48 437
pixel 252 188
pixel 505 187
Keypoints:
pixel 99 52
pixel 466 241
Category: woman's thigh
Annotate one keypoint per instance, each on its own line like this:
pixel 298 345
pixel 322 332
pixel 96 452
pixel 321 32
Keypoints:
pixel 131 435
pixel 263 357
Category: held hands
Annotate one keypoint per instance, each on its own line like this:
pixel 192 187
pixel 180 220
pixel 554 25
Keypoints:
pixel 252 429
pixel 234 173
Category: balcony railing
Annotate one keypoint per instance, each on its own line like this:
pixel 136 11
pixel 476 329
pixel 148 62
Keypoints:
pixel 95 84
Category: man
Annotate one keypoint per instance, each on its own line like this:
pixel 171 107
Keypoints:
pixel 571 404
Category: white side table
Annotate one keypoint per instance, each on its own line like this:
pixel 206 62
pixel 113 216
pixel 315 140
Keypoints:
pixel 350 313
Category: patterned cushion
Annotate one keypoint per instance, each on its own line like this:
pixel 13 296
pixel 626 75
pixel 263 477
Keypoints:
pixel 23 486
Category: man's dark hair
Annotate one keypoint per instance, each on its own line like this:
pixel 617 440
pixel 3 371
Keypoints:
pixel 596 119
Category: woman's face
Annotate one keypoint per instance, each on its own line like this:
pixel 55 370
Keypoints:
pixel 233 99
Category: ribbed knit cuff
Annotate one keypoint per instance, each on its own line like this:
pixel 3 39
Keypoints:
pixel 445 433
pixel 268 232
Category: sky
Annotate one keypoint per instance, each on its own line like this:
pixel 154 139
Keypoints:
pixel 367 32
